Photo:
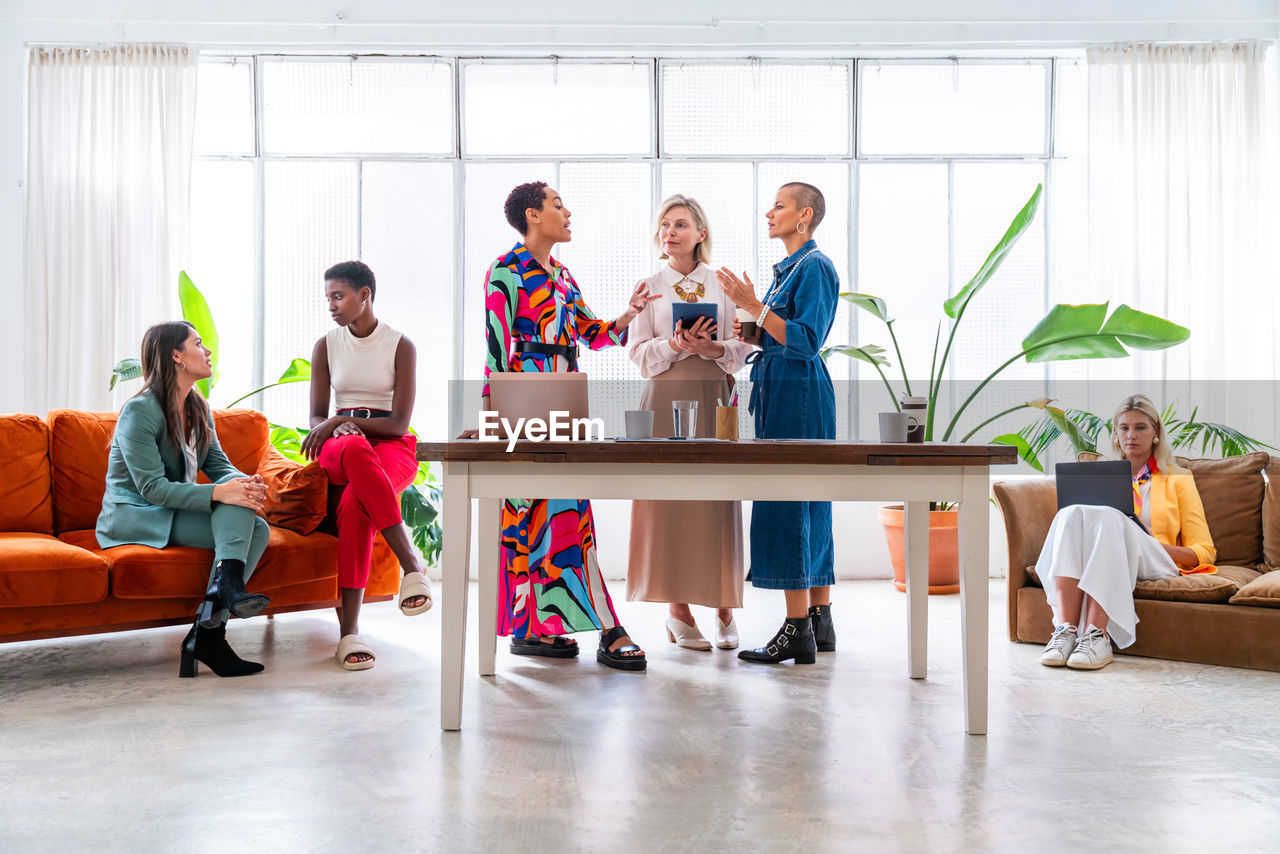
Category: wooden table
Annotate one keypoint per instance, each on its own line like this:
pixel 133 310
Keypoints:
pixel 761 469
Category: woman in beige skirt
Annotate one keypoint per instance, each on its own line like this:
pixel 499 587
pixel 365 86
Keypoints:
pixel 685 552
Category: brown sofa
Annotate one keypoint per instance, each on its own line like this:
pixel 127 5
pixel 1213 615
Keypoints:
pixel 56 581
pixel 1231 618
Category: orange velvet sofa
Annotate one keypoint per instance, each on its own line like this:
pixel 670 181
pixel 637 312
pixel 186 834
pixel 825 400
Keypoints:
pixel 55 580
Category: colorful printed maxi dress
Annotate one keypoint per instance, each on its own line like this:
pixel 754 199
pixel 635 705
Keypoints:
pixel 549 578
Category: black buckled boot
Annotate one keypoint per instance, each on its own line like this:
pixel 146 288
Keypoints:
pixel 226 590
pixel 210 647
pixel 824 631
pixel 793 640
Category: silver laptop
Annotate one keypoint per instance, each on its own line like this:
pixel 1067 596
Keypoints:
pixel 529 394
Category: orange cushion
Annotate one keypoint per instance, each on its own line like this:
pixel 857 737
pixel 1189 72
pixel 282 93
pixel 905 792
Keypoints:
pixel 297 495
pixel 181 572
pixel 78 448
pixel 244 434
pixel 36 570
pixel 26 502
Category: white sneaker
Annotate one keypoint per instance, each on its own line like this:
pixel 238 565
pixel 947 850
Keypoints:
pixel 1093 651
pixel 1060 646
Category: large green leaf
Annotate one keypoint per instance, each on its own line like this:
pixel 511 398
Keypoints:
pixel 1085 332
pixel 195 310
pixel 955 306
pixel 1068 428
pixel 125 369
pixel 869 353
pixel 1024 449
pixel 867 302
pixel 299 370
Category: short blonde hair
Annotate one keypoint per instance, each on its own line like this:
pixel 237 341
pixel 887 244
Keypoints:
pixel 1161 450
pixel 701 252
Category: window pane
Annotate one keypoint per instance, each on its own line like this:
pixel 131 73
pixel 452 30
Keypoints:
pixel 560 108
pixel 612 206
pixel 902 258
pixel 1068 202
pixel 224 108
pixel 223 265
pixel 755 108
pixel 310 225
pixel 367 105
pixel 407 238
pixel 1072 121
pixel 985 198
pixel 724 191
pixel 952 108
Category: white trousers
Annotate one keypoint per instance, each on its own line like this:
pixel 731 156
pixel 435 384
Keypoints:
pixel 1109 554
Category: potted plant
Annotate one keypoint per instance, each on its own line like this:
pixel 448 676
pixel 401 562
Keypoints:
pixel 1065 332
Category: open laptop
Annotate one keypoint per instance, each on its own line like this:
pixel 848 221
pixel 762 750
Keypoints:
pixel 1105 483
pixel 530 394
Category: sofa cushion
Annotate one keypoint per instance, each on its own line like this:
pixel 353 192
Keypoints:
pixel 1193 588
pixel 1231 490
pixel 297 495
pixel 243 434
pixel 1263 591
pixel 26 503
pixel 1271 516
pixel 78 446
pixel 38 570
pixel 181 572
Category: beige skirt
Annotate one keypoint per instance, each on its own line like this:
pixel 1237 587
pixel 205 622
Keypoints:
pixel 686 551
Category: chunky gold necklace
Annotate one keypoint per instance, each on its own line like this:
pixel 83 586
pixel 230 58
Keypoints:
pixel 700 291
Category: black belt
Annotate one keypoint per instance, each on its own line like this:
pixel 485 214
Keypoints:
pixel 570 353
pixel 365 413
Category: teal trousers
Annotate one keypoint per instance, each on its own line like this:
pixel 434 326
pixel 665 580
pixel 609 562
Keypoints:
pixel 232 532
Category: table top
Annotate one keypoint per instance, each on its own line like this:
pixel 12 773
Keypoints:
pixel 751 451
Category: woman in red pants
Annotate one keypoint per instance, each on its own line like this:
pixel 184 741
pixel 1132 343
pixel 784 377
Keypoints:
pixel 369 370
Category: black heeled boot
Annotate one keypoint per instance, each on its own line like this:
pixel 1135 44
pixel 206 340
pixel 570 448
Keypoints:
pixel 824 631
pixel 793 640
pixel 210 647
pixel 226 590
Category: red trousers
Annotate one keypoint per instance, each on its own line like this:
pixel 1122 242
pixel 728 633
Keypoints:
pixel 374 471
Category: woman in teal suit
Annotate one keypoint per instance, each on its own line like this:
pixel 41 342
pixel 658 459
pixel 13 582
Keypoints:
pixel 163 439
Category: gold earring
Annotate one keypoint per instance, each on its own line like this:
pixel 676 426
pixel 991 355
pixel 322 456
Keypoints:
pixel 1157 441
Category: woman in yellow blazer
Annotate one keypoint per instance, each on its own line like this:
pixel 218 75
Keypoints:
pixel 1093 556
pixel 163 439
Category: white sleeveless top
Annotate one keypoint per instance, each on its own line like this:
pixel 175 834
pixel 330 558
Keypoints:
pixel 362 371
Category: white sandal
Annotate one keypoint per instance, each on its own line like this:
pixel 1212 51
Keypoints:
pixel 412 585
pixel 349 645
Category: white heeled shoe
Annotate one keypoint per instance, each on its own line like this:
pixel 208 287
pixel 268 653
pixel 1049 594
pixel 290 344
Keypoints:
pixel 686 636
pixel 727 633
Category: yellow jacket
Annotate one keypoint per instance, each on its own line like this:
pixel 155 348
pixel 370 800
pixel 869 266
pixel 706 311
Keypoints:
pixel 1177 515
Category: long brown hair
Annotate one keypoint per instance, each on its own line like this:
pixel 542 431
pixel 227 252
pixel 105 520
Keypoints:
pixel 160 376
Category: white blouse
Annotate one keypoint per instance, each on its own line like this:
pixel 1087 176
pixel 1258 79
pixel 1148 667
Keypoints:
pixel 650 332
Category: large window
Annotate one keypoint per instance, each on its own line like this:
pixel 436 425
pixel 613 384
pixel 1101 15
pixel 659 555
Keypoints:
pixel 404 162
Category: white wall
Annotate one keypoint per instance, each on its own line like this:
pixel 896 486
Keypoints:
pixel 590 27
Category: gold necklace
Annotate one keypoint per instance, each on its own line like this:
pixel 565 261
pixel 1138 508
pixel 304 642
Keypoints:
pixel 699 291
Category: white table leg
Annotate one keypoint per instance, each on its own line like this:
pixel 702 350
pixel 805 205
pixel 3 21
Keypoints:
pixel 916 554
pixel 974 569
pixel 488 520
pixel 453 623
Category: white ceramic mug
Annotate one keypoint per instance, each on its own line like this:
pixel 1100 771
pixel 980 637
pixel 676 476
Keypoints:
pixel 639 423
pixel 893 427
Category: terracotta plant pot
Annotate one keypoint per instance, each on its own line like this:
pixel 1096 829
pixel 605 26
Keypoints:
pixel 944 565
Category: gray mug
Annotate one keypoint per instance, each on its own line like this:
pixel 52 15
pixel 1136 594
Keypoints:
pixel 639 423
pixel 893 428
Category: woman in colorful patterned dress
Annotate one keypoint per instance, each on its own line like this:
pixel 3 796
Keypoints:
pixel 549 576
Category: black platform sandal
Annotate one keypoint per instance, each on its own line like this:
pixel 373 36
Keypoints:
pixel 560 647
pixel 824 631
pixel 793 640
pixel 618 658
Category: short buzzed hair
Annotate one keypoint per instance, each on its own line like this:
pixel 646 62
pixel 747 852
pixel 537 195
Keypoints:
pixel 808 196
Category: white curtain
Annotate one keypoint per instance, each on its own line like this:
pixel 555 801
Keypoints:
pixel 108 173
pixel 1182 221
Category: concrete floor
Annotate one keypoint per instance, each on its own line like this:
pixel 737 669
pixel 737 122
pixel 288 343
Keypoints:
pixel 103 748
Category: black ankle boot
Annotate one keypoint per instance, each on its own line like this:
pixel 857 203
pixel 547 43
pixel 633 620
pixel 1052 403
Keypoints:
pixel 210 647
pixel 226 590
pixel 793 640
pixel 824 631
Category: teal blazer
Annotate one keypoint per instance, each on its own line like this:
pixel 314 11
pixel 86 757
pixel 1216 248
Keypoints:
pixel 146 474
